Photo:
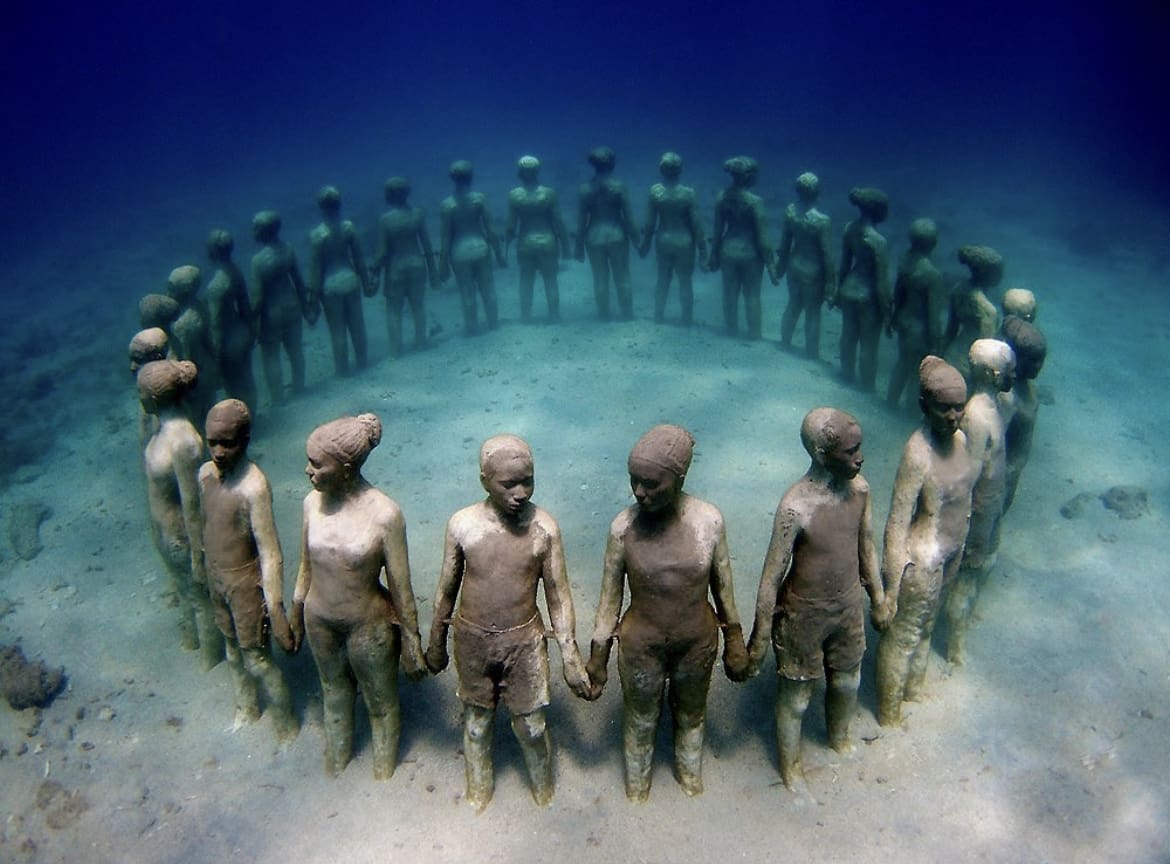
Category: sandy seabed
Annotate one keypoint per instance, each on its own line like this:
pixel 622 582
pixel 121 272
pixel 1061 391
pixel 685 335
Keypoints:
pixel 1051 743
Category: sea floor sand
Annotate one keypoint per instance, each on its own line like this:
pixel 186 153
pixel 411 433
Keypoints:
pixel 1049 745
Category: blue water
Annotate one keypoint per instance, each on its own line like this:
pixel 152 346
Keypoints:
pixel 130 130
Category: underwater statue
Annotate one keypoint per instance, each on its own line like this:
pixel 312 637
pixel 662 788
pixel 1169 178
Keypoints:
pixel 191 339
pixel 805 256
pixel 672 549
pixel 672 224
pixel 280 300
pixel 534 221
pixel 172 456
pixel 1031 349
pixel 467 242
pixel 232 324
pixel 918 313
pixel 406 263
pixel 925 532
pixel 811 603
pixel 357 624
pixel 495 555
pixel 863 287
pixel 739 247
pixel 993 367
pixel 245 568
pixel 151 343
pixel 606 228
pixel 972 315
pixel 158 310
pixel 1019 302
pixel 338 277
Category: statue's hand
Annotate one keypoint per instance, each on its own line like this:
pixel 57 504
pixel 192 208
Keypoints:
pixel 297 626
pixel 597 670
pixel 281 631
pixel 735 656
pixel 881 614
pixel 436 656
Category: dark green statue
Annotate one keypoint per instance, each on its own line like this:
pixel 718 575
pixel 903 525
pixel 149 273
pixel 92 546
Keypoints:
pixel 918 314
pixel 863 289
pixel 405 262
pixel 534 221
pixel 338 276
pixel 467 242
pixel 673 218
pixel 740 245
pixel 805 256
pixel 605 227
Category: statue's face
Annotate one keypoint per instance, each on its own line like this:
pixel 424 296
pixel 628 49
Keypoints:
pixel 1006 378
pixel 509 484
pixel 845 459
pixel 226 443
pixel 943 412
pixel 326 472
pixel 655 488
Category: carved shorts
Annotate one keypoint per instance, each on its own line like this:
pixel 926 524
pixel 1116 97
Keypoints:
pixel 815 639
pixel 509 666
pixel 238 601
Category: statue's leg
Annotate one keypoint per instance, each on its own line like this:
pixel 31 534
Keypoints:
pixel 643 680
pixel 338 691
pixel 531 732
pixel 478 726
pixel 792 698
pixel 373 654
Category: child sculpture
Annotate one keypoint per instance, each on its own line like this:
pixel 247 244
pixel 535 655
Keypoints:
pixel 497 552
pixel 351 534
pixel 337 275
pixel 280 300
pixel 672 549
pixel 1031 348
pixel 918 313
pixel 972 315
pixel 673 218
pixel 811 603
pixel 467 240
pixel 863 289
pixel 405 262
pixel 805 256
pixel 245 567
pixel 172 456
pixel 925 532
pixel 232 324
pixel 739 247
pixel 605 226
pixel 993 367
pixel 534 221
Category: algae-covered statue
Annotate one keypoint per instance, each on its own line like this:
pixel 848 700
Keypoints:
pixel 151 343
pixel 993 367
pixel 1031 348
pixel 338 276
pixel 496 553
pixel 805 257
pixel 191 337
pixel 811 604
pixel 739 246
pixel 172 456
pixel 406 263
pixel 467 242
pixel 918 313
pixel 280 300
pixel 672 549
pixel 672 224
pixel 353 599
pixel 245 567
pixel 232 324
pixel 606 228
pixel 158 310
pixel 534 221
pixel 925 532
pixel 972 315
pixel 1019 302
pixel 863 287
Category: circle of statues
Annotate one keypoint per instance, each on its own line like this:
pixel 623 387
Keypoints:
pixel 667 593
